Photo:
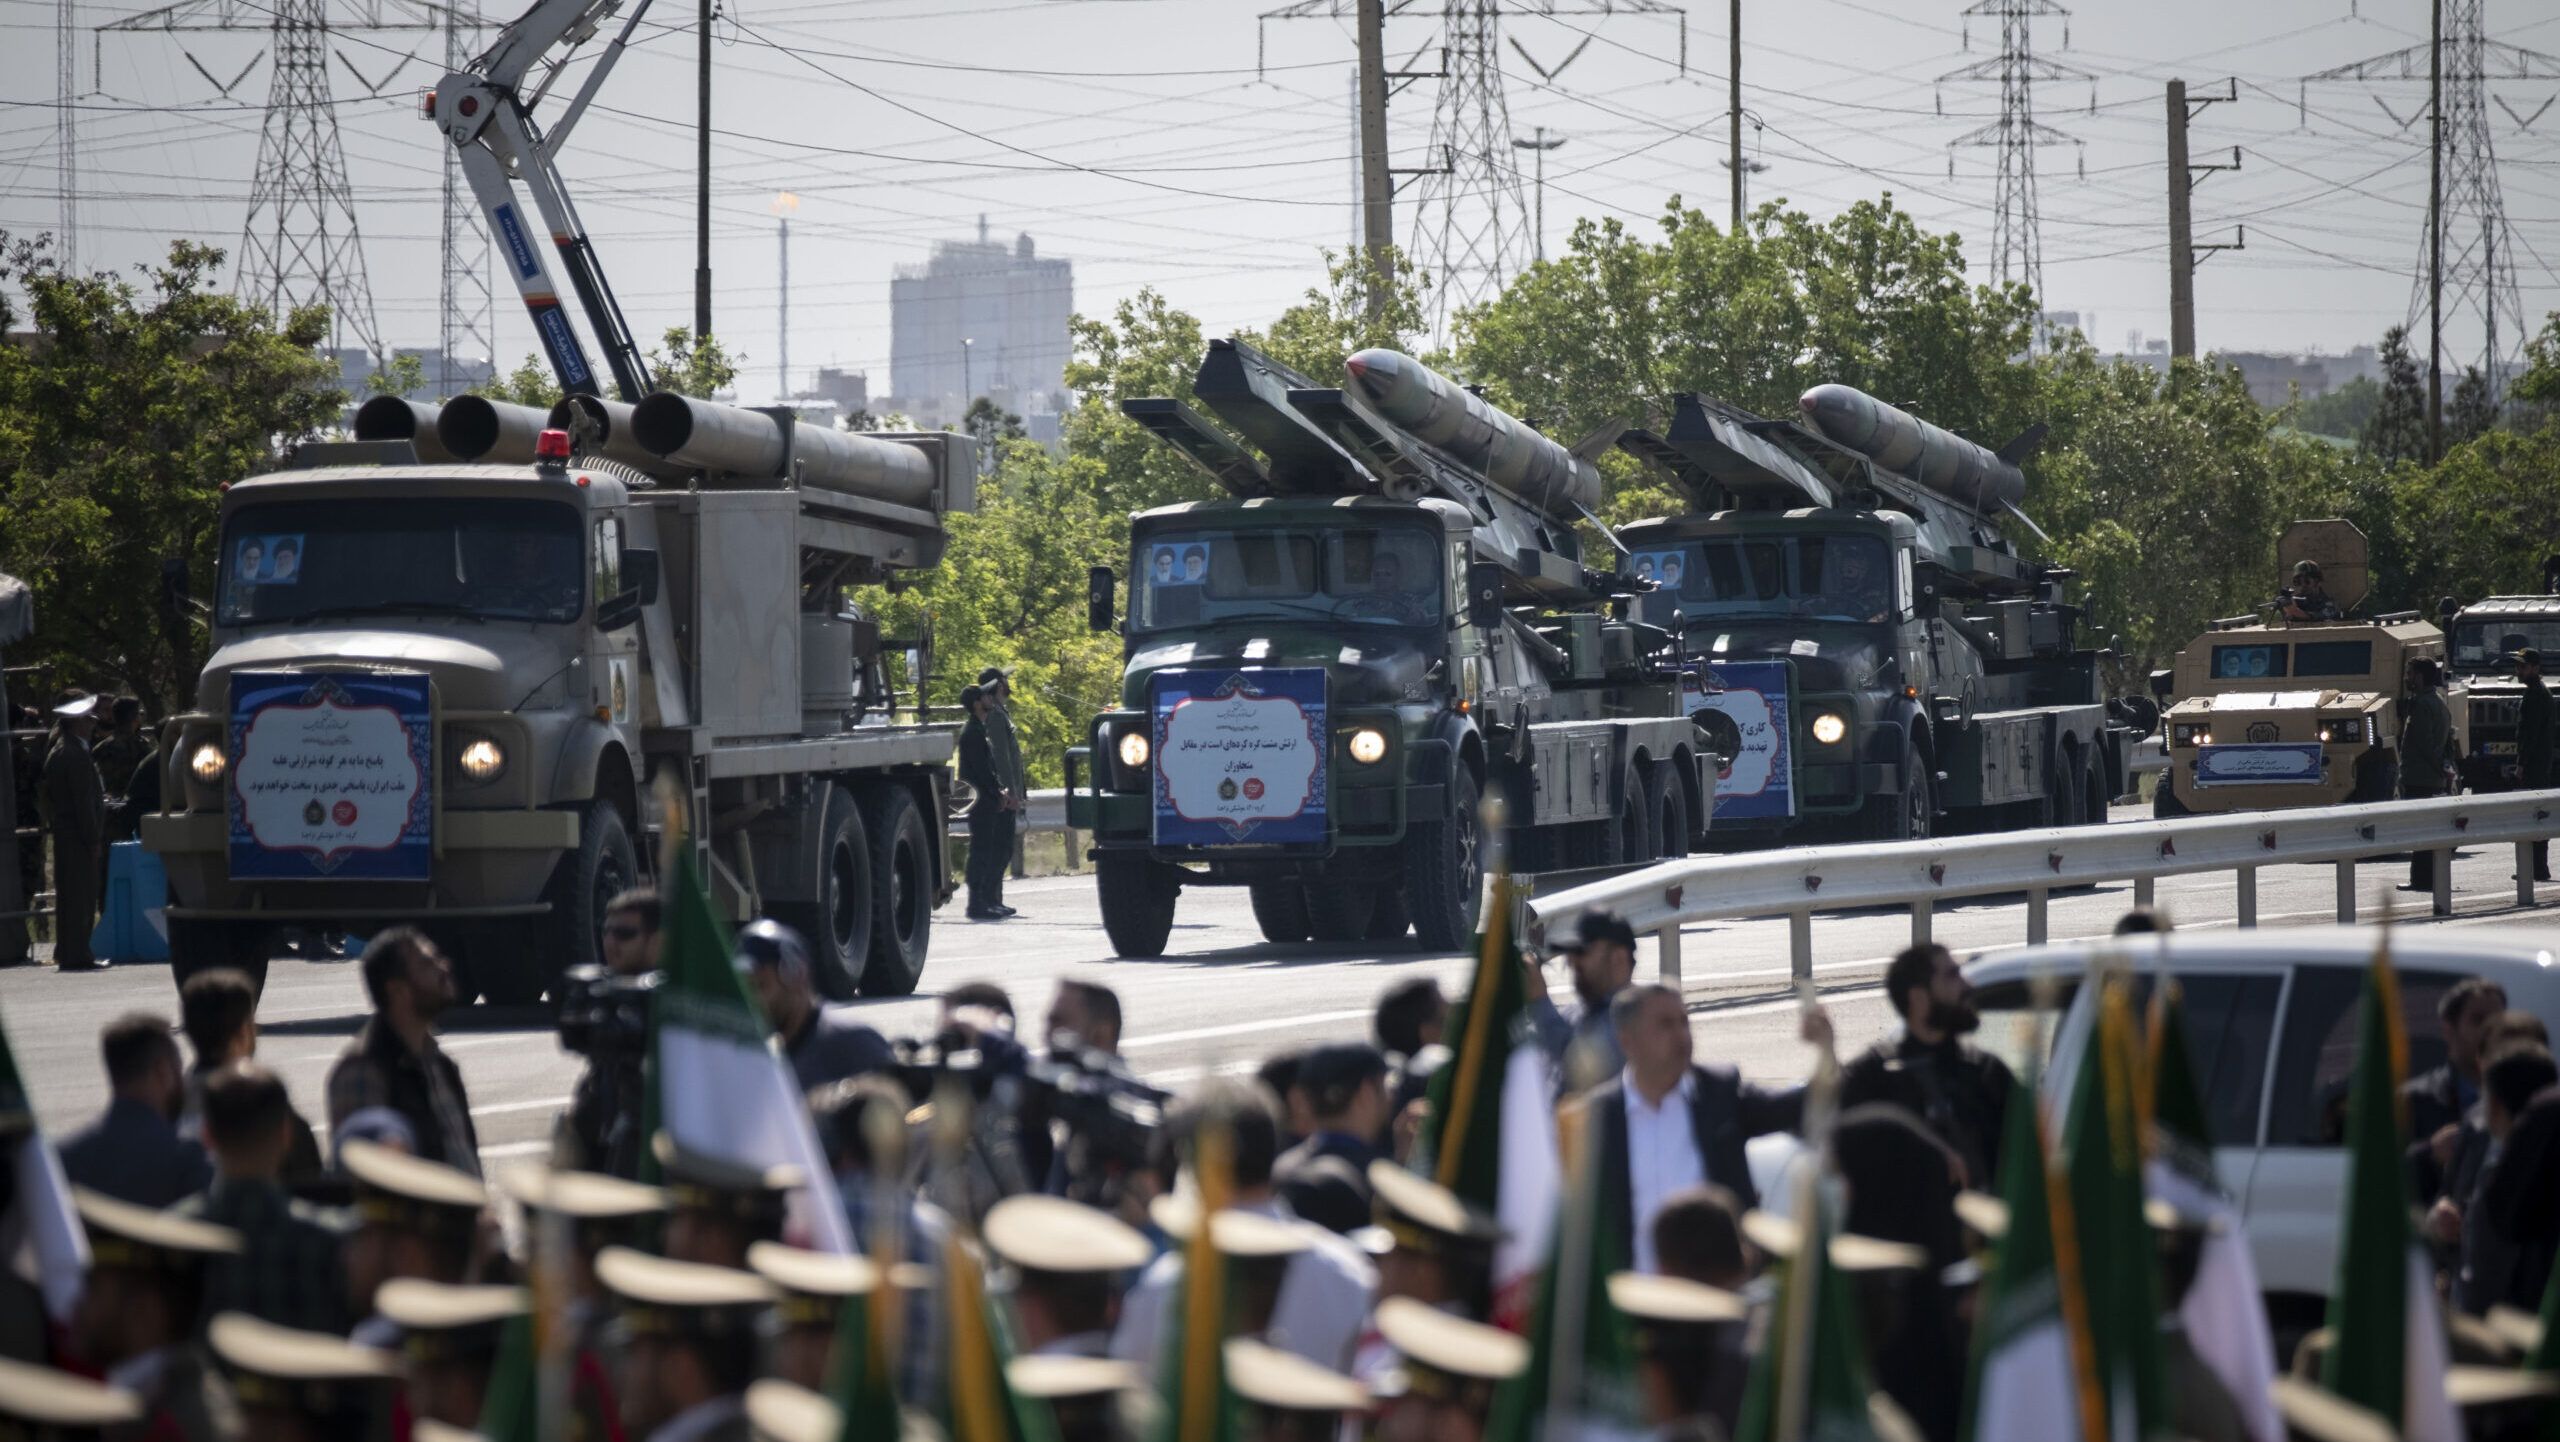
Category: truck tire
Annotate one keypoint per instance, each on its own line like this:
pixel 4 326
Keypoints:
pixel 2064 789
pixel 2094 800
pixel 901 892
pixel 1625 839
pixel 198 946
pixel 1911 815
pixel 603 867
pixel 1444 871
pixel 1389 917
pixel 1669 801
pixel 1280 909
pixel 2164 798
pixel 838 924
pixel 1339 913
pixel 2377 778
pixel 1137 902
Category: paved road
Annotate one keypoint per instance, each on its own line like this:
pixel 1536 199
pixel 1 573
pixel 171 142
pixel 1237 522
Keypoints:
pixel 1222 1000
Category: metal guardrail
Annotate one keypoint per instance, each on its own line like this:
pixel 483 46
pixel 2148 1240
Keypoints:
pixel 1799 881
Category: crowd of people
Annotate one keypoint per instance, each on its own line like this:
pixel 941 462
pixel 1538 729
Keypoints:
pixel 245 1281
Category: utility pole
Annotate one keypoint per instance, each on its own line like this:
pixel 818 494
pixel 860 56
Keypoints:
pixel 2183 249
pixel 1377 188
pixel 702 182
pixel 2435 233
pixel 66 54
pixel 1541 145
pixel 1734 113
pixel 783 206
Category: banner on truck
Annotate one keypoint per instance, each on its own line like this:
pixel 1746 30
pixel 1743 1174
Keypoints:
pixel 1240 757
pixel 331 776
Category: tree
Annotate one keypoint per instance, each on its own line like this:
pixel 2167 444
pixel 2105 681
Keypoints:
pixel 529 384
pixel 2344 412
pixel 2398 430
pixel 123 412
pixel 2474 410
pixel 992 424
pixel 690 367
pixel 406 373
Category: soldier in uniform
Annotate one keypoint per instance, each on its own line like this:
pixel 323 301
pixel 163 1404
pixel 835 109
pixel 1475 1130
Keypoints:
pixel 1432 1247
pixel 449 1342
pixel 1092 1399
pixel 599 1212
pixel 1959 1090
pixel 137 1318
pixel 2427 754
pixel 1444 1389
pixel 990 818
pixel 75 808
pixel 1068 1261
pixel 41 1402
pixel 688 1344
pixel 2309 600
pixel 413 1218
pixel 120 749
pixel 1288 1398
pixel 1689 1357
pixel 303 1386
pixel 2535 719
pixel 815 1288
pixel 717 1209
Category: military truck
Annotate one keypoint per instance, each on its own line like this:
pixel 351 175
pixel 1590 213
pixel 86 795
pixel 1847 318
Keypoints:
pixel 2270 710
pixel 1880 663
pixel 2485 633
pixel 1387 620
pixel 472 690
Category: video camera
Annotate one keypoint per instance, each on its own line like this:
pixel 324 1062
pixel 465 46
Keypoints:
pixel 605 1017
pixel 1111 1118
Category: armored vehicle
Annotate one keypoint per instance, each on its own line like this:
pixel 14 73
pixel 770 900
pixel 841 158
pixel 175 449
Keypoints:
pixel 1387 621
pixel 2270 710
pixel 473 696
pixel 1879 661
pixel 2485 633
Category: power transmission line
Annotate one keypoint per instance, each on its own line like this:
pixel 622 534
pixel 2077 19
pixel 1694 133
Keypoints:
pixel 465 316
pixel 2017 252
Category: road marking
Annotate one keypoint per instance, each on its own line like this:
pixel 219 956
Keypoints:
pixel 1242 1028
pixel 505 1150
pixel 498 1108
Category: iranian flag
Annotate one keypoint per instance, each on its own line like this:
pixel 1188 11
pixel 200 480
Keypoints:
pixel 1581 1379
pixel 2389 1352
pixel 716 1082
pixel 2118 1260
pixel 40 1233
pixel 2025 1381
pixel 1810 1379
pixel 1490 1134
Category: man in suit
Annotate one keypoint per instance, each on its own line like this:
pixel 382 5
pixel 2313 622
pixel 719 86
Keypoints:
pixel 1665 1124
pixel 75 807
pixel 133 1152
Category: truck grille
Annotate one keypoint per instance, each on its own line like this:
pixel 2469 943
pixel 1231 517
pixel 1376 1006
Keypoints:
pixel 2495 710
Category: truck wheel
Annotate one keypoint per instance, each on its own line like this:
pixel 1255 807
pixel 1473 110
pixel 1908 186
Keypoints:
pixel 2063 791
pixel 1625 839
pixel 197 946
pixel 2093 793
pixel 2377 777
pixel 1137 902
pixel 838 924
pixel 1389 918
pixel 2164 798
pixel 1444 872
pixel 1669 802
pixel 1339 912
pixel 901 892
pixel 603 867
pixel 1911 815
pixel 1280 909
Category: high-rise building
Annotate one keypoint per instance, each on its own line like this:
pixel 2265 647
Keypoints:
pixel 981 318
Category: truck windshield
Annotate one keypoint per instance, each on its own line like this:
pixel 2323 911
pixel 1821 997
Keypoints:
pixel 1826 577
pixel 499 558
pixel 2477 645
pixel 1383 577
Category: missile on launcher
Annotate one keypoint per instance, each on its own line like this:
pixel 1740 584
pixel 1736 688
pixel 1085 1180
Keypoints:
pixel 1502 448
pixel 1969 474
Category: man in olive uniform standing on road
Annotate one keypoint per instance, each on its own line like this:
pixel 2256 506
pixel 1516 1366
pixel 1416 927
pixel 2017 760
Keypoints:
pixel 2534 719
pixel 2426 755
pixel 75 804
pixel 991 815
pixel 1004 750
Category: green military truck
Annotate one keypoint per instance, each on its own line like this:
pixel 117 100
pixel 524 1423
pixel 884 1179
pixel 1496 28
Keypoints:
pixel 1878 661
pixel 2484 634
pixel 1388 621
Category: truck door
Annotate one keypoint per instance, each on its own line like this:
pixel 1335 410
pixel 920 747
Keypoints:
pixel 613 659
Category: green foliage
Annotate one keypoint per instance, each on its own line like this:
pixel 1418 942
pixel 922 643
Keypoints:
pixel 1317 334
pixel 2398 430
pixel 2344 412
pixel 123 412
pixel 1147 348
pixel 406 373
pixel 992 424
pixel 529 384
pixel 689 367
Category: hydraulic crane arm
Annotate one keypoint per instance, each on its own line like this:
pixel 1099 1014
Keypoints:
pixel 485 115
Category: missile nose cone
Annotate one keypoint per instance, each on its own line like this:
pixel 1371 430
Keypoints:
pixel 1376 370
pixel 1358 366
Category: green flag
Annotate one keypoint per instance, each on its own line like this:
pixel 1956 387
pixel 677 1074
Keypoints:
pixel 858 1371
pixel 1575 1336
pixel 1810 1379
pixel 2388 1350
pixel 1460 1143
pixel 2180 1125
pixel 2119 1261
pixel 510 1410
pixel 978 1403
pixel 2024 1382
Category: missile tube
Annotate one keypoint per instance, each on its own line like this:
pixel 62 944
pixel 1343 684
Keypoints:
pixel 602 428
pixel 1510 454
pixel 705 435
pixel 498 433
pixel 397 418
pixel 1899 441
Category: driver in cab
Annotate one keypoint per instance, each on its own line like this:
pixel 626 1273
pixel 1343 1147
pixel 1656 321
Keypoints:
pixel 1388 599
pixel 1857 589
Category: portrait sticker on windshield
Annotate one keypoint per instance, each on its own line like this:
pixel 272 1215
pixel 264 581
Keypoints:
pixel 1240 756
pixel 1662 568
pixel 267 560
pixel 1183 563
pixel 330 775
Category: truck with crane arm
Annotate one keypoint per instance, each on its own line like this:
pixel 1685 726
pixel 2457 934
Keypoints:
pixel 475 669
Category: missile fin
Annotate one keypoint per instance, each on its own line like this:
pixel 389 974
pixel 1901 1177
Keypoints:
pixel 1592 446
pixel 2026 443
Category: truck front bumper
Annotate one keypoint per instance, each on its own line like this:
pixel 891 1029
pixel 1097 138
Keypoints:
pixel 487 863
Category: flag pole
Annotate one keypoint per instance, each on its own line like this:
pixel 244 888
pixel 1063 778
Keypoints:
pixel 1491 957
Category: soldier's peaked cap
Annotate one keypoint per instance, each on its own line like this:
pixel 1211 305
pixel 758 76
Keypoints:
pixel 662 1298
pixel 1052 1234
pixel 124 1235
pixel 397 1189
pixel 586 1196
pixel 423 1306
pixel 278 1367
pixel 50 1398
pixel 1268 1377
pixel 1238 1234
pixel 698 1181
pixel 782 1411
pixel 1423 1215
pixel 1444 1354
pixel 1059 1376
pixel 813 1285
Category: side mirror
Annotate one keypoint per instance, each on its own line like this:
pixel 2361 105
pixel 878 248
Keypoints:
pixel 640 573
pixel 620 612
pixel 2163 683
pixel 1101 584
pixel 2447 609
pixel 1484 595
pixel 1924 585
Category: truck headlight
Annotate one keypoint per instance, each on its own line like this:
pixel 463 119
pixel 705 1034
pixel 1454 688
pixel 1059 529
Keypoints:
pixel 1133 749
pixel 207 763
pixel 1368 746
pixel 2185 734
pixel 1829 727
pixel 482 760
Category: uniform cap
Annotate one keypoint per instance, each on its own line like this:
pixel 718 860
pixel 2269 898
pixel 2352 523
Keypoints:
pixel 1601 924
pixel 2472 1386
pixel 1052 1234
pixel 1059 1376
pixel 584 1196
pixel 698 1181
pixel 660 1297
pixel 50 1398
pixel 1423 1216
pixel 278 1367
pixel 428 1429
pixel 1233 1232
pixel 971 695
pixel 782 1411
pixel 1441 1351
pixel 995 673
pixel 1986 1214
pixel 75 703
pixel 1850 1252
pixel 399 1190
pixel 1672 1301
pixel 2306 568
pixel 124 1235
pixel 2520 1329
pixel 2316 1412
pixel 2525 656
pixel 439 1321
pixel 814 1285
pixel 1283 1382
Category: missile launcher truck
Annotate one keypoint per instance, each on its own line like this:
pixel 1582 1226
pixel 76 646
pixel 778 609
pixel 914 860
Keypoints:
pixel 1387 619
pixel 2485 633
pixel 1880 662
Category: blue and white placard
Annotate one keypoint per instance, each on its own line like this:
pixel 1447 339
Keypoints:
pixel 331 775
pixel 1240 757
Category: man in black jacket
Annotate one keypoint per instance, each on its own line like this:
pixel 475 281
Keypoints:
pixel 2535 720
pixel 393 1060
pixel 1960 1092
pixel 1325 1179
pixel 990 814
pixel 1665 1124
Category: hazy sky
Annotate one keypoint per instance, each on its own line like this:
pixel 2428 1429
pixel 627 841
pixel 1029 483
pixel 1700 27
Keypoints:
pixel 1137 138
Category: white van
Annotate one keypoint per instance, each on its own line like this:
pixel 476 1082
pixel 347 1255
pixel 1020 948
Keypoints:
pixel 2271 1024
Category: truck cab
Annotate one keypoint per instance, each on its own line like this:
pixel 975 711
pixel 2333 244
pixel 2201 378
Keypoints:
pixel 2485 633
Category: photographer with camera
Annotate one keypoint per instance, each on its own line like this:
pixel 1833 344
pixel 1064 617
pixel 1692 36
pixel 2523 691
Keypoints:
pixel 604 1016
pixel 823 1043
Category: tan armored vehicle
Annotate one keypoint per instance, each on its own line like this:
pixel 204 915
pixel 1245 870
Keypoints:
pixel 2291 707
